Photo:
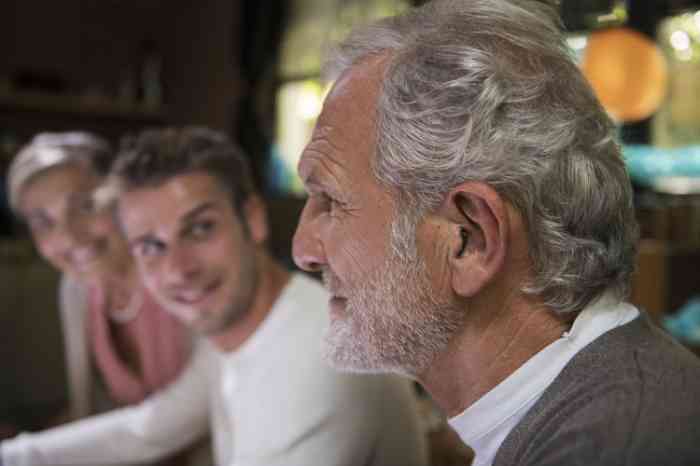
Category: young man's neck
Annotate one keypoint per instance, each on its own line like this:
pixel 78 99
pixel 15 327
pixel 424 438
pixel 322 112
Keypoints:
pixel 272 280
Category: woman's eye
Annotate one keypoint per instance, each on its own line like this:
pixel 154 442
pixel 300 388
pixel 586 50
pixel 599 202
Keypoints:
pixel 39 225
pixel 86 205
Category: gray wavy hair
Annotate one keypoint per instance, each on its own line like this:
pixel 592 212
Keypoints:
pixel 50 150
pixel 487 90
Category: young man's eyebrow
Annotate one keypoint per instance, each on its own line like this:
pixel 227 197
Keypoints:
pixel 196 211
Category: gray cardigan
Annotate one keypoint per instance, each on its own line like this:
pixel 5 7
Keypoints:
pixel 632 397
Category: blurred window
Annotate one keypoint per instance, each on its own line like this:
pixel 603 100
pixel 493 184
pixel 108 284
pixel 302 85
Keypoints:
pixel 314 24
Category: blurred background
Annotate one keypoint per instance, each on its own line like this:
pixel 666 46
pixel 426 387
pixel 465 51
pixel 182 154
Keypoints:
pixel 251 68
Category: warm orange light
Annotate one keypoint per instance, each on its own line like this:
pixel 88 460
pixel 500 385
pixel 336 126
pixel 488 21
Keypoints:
pixel 627 71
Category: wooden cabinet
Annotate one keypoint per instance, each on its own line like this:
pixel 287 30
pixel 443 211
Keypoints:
pixel 666 276
pixel 23 114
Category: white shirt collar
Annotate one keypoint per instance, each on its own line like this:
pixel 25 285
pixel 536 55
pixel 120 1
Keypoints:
pixel 486 423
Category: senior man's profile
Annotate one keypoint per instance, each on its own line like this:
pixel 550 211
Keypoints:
pixel 472 218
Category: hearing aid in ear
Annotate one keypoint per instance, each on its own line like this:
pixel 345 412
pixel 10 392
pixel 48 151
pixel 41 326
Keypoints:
pixel 465 238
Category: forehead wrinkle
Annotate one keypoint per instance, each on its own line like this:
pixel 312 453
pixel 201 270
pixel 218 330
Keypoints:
pixel 319 162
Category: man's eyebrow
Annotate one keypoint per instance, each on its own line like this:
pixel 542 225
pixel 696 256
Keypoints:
pixel 141 239
pixel 316 178
pixel 196 211
pixel 306 172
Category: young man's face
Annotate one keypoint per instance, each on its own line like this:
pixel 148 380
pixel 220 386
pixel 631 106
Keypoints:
pixel 195 254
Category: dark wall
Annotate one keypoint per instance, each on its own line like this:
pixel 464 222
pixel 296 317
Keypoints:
pixel 83 46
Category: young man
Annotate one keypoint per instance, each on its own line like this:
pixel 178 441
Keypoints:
pixel 197 229
pixel 472 216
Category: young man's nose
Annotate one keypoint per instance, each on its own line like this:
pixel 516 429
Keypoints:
pixel 179 267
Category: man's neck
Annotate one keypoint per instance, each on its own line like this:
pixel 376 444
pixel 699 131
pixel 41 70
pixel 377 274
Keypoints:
pixel 272 280
pixel 493 344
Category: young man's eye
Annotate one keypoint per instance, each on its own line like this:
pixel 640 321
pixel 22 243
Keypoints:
pixel 148 249
pixel 201 229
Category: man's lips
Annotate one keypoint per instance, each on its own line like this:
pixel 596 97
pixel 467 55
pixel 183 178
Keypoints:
pixel 337 302
pixel 196 296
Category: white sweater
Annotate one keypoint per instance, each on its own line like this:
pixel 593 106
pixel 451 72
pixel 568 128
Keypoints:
pixel 273 402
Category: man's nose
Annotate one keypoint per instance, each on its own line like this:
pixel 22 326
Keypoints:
pixel 179 267
pixel 307 247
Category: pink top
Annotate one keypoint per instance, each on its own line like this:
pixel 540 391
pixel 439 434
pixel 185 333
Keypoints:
pixel 162 349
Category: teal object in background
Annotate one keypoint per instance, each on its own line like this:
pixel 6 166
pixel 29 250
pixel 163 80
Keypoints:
pixel 669 170
pixel 684 324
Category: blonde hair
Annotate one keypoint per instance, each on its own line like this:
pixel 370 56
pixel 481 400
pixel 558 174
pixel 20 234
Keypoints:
pixel 50 150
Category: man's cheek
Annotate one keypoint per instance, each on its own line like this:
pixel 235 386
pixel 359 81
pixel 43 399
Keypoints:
pixel 358 258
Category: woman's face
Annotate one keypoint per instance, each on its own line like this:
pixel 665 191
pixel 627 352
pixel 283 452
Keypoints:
pixel 70 230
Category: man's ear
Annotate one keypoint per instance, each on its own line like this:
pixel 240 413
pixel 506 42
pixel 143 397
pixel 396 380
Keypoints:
pixel 256 216
pixel 479 229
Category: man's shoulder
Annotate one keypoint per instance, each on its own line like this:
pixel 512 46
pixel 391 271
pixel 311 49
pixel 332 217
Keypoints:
pixel 631 395
pixel 639 356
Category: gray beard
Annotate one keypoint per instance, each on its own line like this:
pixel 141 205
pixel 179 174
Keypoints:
pixel 394 320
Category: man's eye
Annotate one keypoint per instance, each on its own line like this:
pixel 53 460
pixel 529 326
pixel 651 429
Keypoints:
pixel 201 229
pixel 148 249
pixel 328 202
pixel 335 207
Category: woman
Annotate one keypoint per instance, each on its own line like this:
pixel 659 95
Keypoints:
pixel 120 345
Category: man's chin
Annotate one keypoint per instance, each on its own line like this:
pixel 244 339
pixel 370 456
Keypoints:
pixel 357 364
pixel 343 352
pixel 209 328
pixel 344 362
